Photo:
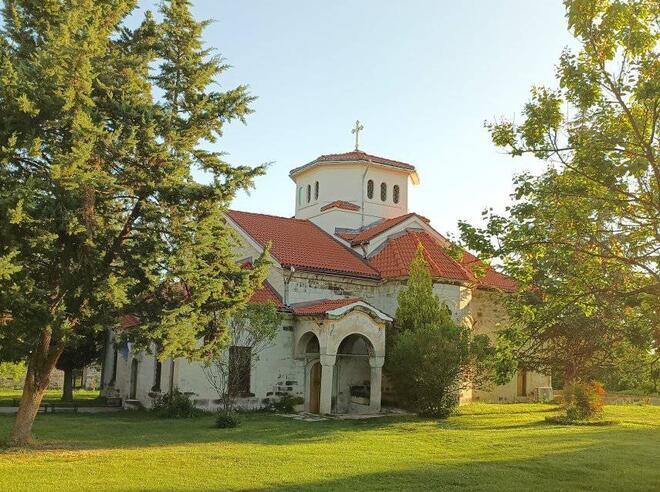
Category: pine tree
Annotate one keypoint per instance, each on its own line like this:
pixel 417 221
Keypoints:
pixel 99 212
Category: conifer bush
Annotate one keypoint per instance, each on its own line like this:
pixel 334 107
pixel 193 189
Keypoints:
pixel 174 405
pixel 227 419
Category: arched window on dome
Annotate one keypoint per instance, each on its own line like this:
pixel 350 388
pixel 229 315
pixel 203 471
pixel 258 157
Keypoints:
pixel 383 192
pixel 370 189
pixel 316 191
pixel 300 195
pixel 309 193
pixel 395 194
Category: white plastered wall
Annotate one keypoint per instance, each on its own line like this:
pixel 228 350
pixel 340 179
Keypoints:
pixel 348 182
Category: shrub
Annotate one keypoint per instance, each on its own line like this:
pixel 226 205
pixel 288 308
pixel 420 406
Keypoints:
pixel 583 401
pixel 284 404
pixel 227 419
pixel 425 367
pixel 175 405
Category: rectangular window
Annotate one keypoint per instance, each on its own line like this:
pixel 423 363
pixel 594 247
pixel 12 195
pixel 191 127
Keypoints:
pixel 239 370
pixel 158 368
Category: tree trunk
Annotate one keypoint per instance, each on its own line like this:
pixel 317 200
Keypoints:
pixel 67 389
pixel 40 365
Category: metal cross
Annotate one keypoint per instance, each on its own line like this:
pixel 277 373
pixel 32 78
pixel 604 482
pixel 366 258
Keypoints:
pixel 356 131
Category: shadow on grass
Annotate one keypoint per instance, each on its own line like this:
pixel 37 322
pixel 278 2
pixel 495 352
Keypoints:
pixel 142 429
pixel 592 468
pixel 131 430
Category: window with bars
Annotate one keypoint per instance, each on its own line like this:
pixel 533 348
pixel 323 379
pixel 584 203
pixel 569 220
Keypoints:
pixel 316 190
pixel 240 362
pixel 370 189
pixel 395 194
pixel 383 192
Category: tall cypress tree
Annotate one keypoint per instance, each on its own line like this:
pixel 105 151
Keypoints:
pixel 419 306
pixel 100 216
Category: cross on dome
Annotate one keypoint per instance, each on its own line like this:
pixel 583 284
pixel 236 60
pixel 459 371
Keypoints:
pixel 356 131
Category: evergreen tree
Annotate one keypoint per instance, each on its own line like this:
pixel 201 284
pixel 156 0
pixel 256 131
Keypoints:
pixel 418 305
pixel 430 357
pixel 99 212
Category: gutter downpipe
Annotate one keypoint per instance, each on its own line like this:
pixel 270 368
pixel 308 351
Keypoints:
pixel 366 170
pixel 292 270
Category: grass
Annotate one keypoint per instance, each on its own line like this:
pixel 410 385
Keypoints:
pixel 81 397
pixel 485 447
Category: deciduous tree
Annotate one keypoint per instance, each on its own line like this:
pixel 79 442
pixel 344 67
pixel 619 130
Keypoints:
pixel 582 237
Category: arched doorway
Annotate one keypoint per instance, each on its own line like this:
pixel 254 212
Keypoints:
pixel 309 348
pixel 315 388
pixel 134 376
pixel 353 374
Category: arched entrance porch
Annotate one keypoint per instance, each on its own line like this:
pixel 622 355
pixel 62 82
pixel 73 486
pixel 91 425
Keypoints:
pixel 344 350
pixel 353 375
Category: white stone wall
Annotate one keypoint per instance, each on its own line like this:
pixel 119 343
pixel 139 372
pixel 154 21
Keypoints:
pixel 273 374
pixel 348 182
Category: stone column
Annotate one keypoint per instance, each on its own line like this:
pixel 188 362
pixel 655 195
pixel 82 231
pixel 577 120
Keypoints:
pixel 376 364
pixel 327 379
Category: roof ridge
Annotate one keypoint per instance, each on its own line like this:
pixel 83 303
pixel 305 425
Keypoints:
pixel 351 250
pixel 229 210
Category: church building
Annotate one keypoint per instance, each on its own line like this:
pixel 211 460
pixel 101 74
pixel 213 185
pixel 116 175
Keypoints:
pixel 338 266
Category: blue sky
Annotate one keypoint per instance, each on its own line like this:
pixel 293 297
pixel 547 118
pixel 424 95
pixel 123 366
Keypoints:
pixel 421 75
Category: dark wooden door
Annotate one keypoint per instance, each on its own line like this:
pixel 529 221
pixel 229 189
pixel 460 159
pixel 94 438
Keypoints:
pixel 134 375
pixel 315 388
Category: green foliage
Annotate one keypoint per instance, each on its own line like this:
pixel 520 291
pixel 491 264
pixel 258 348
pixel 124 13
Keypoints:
pixel 431 358
pixel 283 404
pixel 582 401
pixel 227 420
pixel 425 368
pixel 174 405
pixel 634 371
pixel 418 305
pixel 12 372
pixel 102 128
pixel 581 238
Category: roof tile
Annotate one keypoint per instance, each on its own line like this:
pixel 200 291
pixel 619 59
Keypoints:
pixel 371 231
pixel 353 156
pixel 322 306
pixel 395 258
pixel 341 204
pixel 266 293
pixel 302 244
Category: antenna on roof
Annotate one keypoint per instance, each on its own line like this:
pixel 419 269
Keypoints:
pixel 356 131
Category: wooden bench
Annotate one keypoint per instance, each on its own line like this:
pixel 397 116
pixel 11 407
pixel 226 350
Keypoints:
pixel 62 406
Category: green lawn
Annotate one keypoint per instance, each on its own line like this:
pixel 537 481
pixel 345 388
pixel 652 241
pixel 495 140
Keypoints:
pixel 81 397
pixel 486 447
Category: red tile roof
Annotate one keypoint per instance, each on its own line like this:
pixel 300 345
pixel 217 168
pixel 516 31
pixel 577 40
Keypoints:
pixel 492 278
pixel 340 204
pixel 321 306
pixel 395 258
pixel 366 235
pixel 355 156
pixel 267 294
pixel 128 321
pixel 300 243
